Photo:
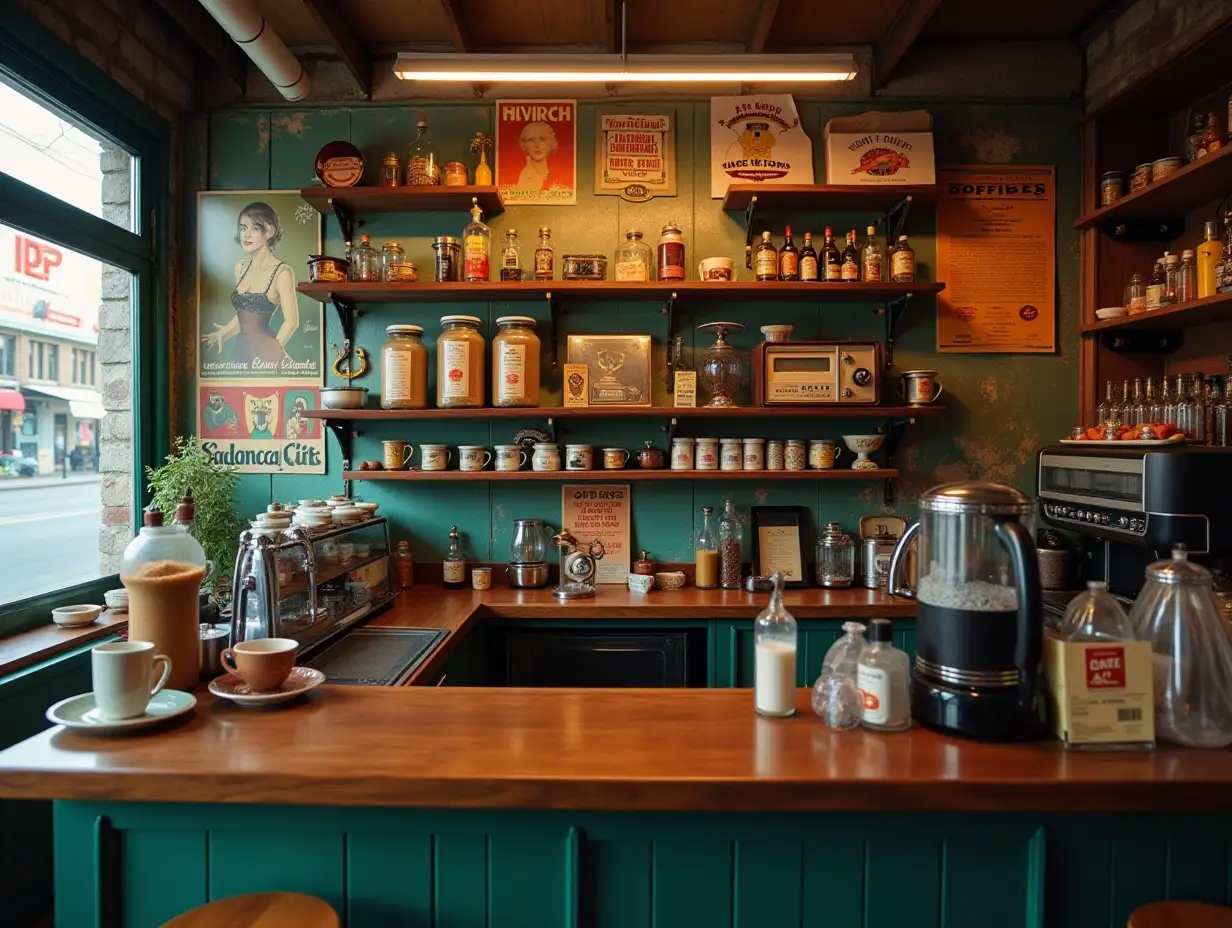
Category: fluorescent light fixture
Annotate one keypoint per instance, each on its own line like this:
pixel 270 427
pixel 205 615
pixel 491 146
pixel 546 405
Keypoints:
pixel 617 69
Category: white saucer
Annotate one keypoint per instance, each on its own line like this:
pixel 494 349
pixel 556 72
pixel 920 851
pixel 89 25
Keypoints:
pixel 81 712
pixel 232 686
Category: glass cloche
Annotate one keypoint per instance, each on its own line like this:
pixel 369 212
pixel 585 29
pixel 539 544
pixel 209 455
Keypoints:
pixel 721 370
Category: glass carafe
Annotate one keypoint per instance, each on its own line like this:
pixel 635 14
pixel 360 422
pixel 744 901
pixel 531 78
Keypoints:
pixel 1192 657
pixel 722 369
pixel 836 558
pixel 530 541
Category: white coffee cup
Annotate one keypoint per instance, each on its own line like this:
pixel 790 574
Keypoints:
pixel 122 674
pixel 473 457
pixel 510 457
pixel 579 457
pixel 721 269
pixel 434 457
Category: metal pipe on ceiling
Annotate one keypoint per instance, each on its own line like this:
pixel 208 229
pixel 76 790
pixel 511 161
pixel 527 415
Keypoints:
pixel 247 27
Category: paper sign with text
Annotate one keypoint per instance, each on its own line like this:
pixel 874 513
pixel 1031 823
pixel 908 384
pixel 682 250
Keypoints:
pixel 600 511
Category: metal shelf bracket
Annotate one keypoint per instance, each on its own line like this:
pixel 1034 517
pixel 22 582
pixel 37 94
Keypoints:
pixel 554 311
pixel 346 220
pixel 555 430
pixel 750 213
pixel 1142 341
pixel 894 429
pixel 345 436
pixel 347 314
pixel 896 219
pixel 893 314
pixel 670 312
pixel 670 429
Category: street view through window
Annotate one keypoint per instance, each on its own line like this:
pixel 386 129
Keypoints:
pixel 65 319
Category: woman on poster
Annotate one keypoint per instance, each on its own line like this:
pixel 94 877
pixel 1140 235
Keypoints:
pixel 538 141
pixel 263 285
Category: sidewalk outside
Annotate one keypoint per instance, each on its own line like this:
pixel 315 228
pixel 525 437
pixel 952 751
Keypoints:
pixel 49 480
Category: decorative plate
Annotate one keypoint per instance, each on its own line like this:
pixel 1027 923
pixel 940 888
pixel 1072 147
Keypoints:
pixel 232 686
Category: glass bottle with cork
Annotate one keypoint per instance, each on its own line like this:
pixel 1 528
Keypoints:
pixel 731 536
pixel 766 261
pixel 476 247
pixel 706 553
pixel 902 262
pixel 774 662
pixel 789 259
pixel 883 673
pixel 404 565
pixel 831 259
pixel 808 260
pixel 1155 287
pixel 545 256
pixel 872 257
pixel 850 268
pixel 511 258
pixel 454 565
pixel 1172 267
pixel 423 162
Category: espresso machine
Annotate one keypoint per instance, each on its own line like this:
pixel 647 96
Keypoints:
pixel 979 630
pixel 1129 506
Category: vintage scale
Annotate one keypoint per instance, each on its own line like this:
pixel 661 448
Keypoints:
pixel 578 566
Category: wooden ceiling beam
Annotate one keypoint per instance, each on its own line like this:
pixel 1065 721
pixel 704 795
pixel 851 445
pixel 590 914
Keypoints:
pixel 458 32
pixel 761 28
pixel 903 32
pixel 203 31
pixel 345 42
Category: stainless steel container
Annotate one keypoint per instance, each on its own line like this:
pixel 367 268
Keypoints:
pixel 919 388
pixel 214 640
pixel 528 576
pixel 875 563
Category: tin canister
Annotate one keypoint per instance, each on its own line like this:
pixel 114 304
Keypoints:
pixel 1165 166
pixel 448 258
pixel 1140 178
pixel 1111 188
pixel 919 388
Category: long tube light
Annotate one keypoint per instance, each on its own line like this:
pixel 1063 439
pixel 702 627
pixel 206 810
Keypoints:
pixel 617 69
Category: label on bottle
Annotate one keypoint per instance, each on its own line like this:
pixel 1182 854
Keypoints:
pixel 634 269
pixel 872 268
pixel 834 270
pixel 511 265
pixel 874 684
pixel 767 264
pixel 808 268
pixel 671 261
pixel 475 258
pixel 457 381
pixel 543 264
pixel 1154 295
pixel 789 265
pixel 902 265
pixel 510 373
pixel 850 270
pixel 454 571
pixel 396 377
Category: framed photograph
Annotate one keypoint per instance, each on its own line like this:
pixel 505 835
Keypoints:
pixel 779 543
pixel 618 367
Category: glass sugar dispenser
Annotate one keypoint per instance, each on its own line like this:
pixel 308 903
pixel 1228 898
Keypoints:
pixel 1177 613
pixel 836 695
pixel 721 371
pixel 836 558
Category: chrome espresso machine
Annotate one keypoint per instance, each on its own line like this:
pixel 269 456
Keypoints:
pixel 1130 505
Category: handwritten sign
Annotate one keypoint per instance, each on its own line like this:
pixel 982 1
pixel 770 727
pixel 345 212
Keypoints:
pixel 600 511
pixel 635 157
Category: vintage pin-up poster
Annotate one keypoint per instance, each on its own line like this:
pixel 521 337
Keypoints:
pixel 536 151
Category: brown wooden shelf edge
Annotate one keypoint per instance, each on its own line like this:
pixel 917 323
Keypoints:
pixel 616 476
pixel 871 197
pixel 1215 308
pixel 403 199
pixel 638 412
pixel 1175 195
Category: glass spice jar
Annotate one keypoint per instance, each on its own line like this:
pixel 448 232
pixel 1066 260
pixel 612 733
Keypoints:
pixel 365 261
pixel 836 558
pixel 395 268
pixel 391 171
pixel 423 163
pixel 459 363
pixel 671 253
pixel 731 535
pixel 515 362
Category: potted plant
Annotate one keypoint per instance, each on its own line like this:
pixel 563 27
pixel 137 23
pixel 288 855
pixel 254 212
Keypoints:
pixel 217 526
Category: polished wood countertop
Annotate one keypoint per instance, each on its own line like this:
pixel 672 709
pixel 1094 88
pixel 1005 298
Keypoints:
pixel 588 749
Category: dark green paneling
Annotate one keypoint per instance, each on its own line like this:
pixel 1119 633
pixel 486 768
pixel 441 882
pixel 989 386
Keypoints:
pixel 734 648
pixel 287 856
pixel 388 878
pixel 183 886
pixel 691 882
pixel 462 878
pixel 1000 407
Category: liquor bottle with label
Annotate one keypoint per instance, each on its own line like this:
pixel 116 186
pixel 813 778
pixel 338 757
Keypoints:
pixel 789 259
pixel 850 268
pixel 545 256
pixel 831 259
pixel 1155 287
pixel 476 246
pixel 1209 255
pixel 511 257
pixel 808 259
pixel 766 261
pixel 872 257
pixel 1212 138
pixel 883 673
pixel 902 262
pixel 454 565
pixel 1225 266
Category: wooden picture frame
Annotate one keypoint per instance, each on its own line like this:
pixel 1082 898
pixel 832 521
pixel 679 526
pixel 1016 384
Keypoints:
pixel 779 543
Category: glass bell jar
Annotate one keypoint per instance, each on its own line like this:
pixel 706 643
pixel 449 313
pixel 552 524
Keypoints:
pixel 721 370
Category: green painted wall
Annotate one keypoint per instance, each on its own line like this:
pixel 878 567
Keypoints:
pixel 1000 408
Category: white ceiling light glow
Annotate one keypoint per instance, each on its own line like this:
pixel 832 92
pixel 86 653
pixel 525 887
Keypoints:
pixel 618 69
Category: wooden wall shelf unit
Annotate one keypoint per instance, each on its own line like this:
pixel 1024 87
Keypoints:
pixel 616 476
pixel 430 292
pixel 839 197
pixel 403 199
pixel 1217 308
pixel 633 412
pixel 1175 195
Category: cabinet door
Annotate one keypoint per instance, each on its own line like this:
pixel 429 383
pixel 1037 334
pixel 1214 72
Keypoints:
pixel 650 659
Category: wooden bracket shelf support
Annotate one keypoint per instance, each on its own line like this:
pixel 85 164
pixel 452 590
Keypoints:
pixel 896 221
pixel 670 312
pixel 346 220
pixel 750 213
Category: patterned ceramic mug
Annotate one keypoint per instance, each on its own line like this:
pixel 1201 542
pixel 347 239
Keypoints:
pixel 510 457
pixel 397 454
pixel 434 457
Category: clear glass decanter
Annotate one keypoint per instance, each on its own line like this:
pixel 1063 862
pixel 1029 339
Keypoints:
pixel 722 368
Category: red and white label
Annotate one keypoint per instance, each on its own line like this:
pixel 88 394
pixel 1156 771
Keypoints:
pixel 1106 668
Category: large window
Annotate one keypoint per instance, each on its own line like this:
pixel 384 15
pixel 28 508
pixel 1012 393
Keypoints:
pixel 83 177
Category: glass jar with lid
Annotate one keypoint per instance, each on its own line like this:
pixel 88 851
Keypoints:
pixel 404 368
pixel 515 362
pixel 365 261
pixel 459 363
pixel 634 259
pixel 395 268
pixel 671 253
pixel 836 558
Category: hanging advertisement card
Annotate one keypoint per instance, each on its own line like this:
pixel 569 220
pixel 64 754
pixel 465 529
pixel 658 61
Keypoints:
pixel 260 429
pixel 757 139
pixel 635 157
pixel 536 151
pixel 996 252
pixel 600 511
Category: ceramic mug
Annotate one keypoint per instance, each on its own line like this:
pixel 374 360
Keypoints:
pixel 716 269
pixel 615 458
pixel 682 454
pixel 919 388
pixel 546 457
pixel 122 673
pixel 263 663
pixel 434 457
pixel 579 457
pixel 707 454
pixel 730 455
pixel 510 457
pixel 822 453
pixel 473 457
pixel 396 455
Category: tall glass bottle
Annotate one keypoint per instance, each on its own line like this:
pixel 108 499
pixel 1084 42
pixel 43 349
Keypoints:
pixel 1210 252
pixel 766 259
pixel 1220 415
pixel 1184 409
pixel 476 247
pixel 423 162
pixel 1149 401
pixel 1155 411
pixel 545 256
pixel 850 270
pixel 1172 269
pixel 808 260
pixel 831 259
pixel 883 673
pixel 1137 410
pixel 872 259
pixel 774 663
pixel 731 535
pixel 789 259
pixel 511 257
pixel 1167 403
pixel 454 566
pixel 1107 410
pixel 1155 287
pixel 706 552
pixel 902 262
pixel 1187 278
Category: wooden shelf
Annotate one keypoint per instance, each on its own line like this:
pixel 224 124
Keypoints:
pixel 1196 183
pixel 839 197
pixel 1217 308
pixel 638 412
pixel 430 292
pixel 403 199
pixel 616 476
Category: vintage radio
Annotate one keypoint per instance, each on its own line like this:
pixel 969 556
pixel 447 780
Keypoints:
pixel 816 373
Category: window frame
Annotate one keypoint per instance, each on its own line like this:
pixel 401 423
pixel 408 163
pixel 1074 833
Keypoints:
pixel 42 66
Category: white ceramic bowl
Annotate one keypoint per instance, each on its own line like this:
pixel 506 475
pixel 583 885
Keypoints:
pixel 865 443
pixel 777 333
pixel 1111 312
pixel 344 397
pixel 117 599
pixel 369 508
pixel 640 583
pixel 72 616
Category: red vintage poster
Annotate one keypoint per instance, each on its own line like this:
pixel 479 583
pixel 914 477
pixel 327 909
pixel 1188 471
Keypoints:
pixel 536 151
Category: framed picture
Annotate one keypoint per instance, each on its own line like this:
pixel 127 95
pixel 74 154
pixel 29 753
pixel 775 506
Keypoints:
pixel 779 543
pixel 618 367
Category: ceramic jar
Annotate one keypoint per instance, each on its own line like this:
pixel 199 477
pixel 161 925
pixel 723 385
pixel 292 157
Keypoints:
pixel 546 457
pixel 731 455
pixel 754 454
pixel 650 458
pixel 579 457
pixel 682 453
pixel 707 454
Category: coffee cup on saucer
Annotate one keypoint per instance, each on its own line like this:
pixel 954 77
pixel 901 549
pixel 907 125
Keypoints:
pixel 124 679
pixel 263 663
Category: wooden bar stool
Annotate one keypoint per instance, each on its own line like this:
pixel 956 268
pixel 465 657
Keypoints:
pixel 260 910
pixel 1180 915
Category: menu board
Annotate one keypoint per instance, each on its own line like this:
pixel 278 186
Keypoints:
pixel 600 511
pixel 996 253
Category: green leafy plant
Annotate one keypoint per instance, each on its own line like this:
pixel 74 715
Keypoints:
pixel 217 525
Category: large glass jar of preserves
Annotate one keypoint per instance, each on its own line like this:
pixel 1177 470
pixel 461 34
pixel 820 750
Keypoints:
pixel 404 368
pixel 515 362
pixel 634 259
pixel 459 363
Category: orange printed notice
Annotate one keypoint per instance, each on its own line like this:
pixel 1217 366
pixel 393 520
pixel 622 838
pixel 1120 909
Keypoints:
pixel 996 253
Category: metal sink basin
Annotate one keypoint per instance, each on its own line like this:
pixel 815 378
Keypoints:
pixel 376 656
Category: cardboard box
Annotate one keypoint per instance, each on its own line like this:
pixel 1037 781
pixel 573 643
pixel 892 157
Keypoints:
pixel 1100 693
pixel 878 148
